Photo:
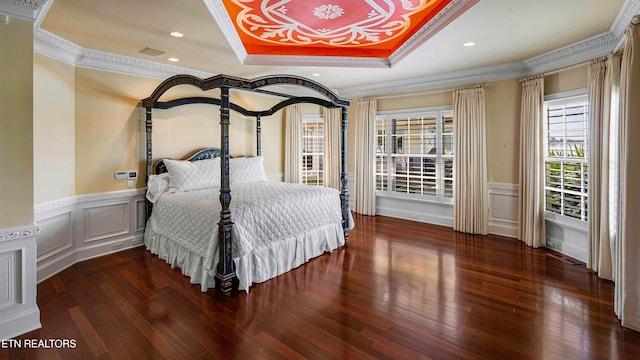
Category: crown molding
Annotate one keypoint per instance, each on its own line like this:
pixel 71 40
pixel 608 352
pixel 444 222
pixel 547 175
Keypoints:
pixel 573 54
pixel 457 78
pixel 19 232
pixel 442 19
pixel 120 64
pixel 41 14
pixel 56 47
pixel 629 9
pixel 21 9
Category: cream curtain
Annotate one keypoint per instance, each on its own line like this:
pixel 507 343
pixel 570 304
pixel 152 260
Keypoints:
pixel 365 161
pixel 600 84
pixel 531 228
pixel 627 248
pixel 332 146
pixel 293 145
pixel 470 162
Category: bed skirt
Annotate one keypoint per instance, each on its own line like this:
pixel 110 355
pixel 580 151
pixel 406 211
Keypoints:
pixel 259 265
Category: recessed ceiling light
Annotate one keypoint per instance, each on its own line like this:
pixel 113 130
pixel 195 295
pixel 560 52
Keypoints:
pixel 173 59
pixel 176 34
pixel 470 43
pixel 315 74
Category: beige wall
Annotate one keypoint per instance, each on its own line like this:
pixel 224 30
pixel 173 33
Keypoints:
pixel 16 123
pixel 54 168
pixel 566 80
pixel 110 128
pixel 502 101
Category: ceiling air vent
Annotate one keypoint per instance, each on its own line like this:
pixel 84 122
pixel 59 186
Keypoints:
pixel 151 52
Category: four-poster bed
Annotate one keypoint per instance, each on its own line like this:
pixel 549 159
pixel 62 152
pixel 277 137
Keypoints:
pixel 293 237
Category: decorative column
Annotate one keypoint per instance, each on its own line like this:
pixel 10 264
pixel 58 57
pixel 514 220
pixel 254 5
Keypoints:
pixel 148 137
pixel 344 178
pixel 226 275
pixel 258 136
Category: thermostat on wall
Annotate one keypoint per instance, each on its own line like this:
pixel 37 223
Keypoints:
pixel 121 175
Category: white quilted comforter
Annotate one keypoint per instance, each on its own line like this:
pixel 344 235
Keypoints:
pixel 263 213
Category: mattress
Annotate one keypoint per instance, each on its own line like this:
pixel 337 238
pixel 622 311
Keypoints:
pixel 276 227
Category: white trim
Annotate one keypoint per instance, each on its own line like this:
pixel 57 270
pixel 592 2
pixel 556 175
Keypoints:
pixel 68 236
pixel 566 94
pixel 19 233
pixel 21 9
pixel 503 205
pixel 19 312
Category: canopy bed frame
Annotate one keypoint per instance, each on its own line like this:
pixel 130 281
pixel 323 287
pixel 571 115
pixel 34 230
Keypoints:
pixel 225 272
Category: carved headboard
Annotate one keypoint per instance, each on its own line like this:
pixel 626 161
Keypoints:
pixel 207 153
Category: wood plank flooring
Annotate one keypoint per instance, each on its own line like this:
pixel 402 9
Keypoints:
pixel 399 290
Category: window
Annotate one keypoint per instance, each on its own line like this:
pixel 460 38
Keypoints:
pixel 414 155
pixel 566 156
pixel 313 150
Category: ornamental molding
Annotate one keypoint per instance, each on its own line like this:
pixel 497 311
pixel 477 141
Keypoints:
pixel 435 81
pixel 101 60
pixel 585 50
pixel 56 47
pixel 21 9
pixel 629 9
pixel 18 233
pixel 442 19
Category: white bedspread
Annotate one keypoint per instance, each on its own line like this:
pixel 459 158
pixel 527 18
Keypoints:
pixel 277 226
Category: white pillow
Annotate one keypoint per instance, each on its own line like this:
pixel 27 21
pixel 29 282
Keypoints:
pixel 187 175
pixel 246 170
pixel 156 186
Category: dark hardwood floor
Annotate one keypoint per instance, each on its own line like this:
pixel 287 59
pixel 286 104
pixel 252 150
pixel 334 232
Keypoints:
pixel 400 290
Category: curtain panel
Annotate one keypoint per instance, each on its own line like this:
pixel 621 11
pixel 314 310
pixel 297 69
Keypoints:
pixel 599 84
pixel 531 227
pixel 332 147
pixel 365 160
pixel 626 274
pixel 470 162
pixel 293 144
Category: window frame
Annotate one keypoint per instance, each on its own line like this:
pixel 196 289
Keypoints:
pixel 565 98
pixel 314 118
pixel 439 113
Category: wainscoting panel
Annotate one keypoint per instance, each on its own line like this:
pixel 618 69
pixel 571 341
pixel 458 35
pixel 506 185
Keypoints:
pixel 9 273
pixel 19 312
pixel 86 226
pixel 105 221
pixel 503 209
pixel 59 228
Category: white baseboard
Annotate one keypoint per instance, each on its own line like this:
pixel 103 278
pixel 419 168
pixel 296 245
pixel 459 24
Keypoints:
pixel 87 226
pixel 423 211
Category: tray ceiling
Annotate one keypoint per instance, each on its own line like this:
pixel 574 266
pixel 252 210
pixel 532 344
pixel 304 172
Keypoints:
pixel 376 33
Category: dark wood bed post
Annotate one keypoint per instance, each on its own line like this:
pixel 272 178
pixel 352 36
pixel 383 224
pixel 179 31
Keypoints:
pixel 226 276
pixel 148 136
pixel 258 136
pixel 344 177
